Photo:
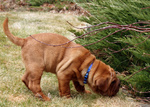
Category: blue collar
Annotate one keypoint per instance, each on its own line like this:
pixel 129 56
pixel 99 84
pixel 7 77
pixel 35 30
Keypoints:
pixel 87 74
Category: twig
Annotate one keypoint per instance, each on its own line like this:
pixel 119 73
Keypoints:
pixel 130 47
pixel 145 8
pixel 111 26
pixel 138 91
pixel 92 25
pixel 136 72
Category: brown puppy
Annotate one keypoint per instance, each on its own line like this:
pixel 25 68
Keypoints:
pixel 67 63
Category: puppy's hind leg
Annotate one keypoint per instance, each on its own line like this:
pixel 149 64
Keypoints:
pixel 32 79
pixel 25 79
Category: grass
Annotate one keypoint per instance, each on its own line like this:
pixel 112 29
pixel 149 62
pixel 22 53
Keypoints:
pixel 13 92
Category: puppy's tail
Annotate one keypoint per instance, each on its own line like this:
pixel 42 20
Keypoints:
pixel 12 38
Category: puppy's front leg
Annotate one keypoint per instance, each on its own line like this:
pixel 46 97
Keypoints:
pixel 64 88
pixel 80 88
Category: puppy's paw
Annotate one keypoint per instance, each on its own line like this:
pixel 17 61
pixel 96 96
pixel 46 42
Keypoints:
pixel 38 96
pixel 87 92
pixel 42 97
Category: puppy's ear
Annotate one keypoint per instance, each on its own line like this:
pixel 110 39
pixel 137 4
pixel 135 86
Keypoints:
pixel 102 84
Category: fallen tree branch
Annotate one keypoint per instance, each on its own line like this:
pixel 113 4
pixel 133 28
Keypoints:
pixel 129 27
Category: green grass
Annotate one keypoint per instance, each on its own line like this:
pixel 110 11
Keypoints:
pixel 13 92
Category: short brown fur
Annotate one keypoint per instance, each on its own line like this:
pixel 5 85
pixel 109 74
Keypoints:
pixel 69 64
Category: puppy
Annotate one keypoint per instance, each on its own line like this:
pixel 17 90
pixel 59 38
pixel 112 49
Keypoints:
pixel 69 64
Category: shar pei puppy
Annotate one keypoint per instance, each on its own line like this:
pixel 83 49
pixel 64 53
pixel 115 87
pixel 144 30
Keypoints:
pixel 68 63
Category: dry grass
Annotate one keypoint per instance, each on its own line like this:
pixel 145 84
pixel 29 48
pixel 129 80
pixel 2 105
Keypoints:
pixel 13 92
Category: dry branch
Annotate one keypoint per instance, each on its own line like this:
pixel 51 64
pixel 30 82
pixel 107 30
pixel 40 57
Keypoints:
pixel 130 27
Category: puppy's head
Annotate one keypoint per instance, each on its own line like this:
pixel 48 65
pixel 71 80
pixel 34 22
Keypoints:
pixel 105 81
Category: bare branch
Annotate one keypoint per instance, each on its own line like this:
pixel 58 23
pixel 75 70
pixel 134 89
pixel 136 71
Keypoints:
pixel 111 25
pixel 113 51
pixel 137 72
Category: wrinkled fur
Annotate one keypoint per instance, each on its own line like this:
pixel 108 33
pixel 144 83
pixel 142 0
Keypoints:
pixel 67 63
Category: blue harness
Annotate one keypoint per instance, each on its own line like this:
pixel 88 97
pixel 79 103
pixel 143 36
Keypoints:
pixel 87 74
